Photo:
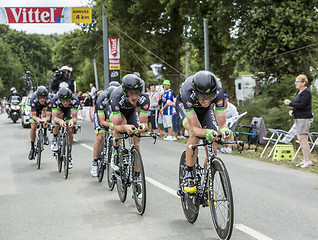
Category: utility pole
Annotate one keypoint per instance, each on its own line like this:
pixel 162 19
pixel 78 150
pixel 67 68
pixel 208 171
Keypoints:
pixel 105 47
pixel 206 44
pixel 95 72
pixel 186 59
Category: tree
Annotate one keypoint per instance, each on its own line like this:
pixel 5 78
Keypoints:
pixel 272 36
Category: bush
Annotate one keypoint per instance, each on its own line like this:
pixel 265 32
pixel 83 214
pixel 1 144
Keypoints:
pixel 270 105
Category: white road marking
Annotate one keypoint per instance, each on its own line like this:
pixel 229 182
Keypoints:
pixel 85 145
pixel 163 187
pixel 249 231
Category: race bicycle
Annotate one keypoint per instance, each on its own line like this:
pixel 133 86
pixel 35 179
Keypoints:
pixel 131 171
pixel 213 190
pixel 63 153
pixel 39 144
pixel 103 162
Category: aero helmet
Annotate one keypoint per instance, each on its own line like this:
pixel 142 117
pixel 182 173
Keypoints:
pixel 42 91
pixel 204 82
pixel 110 90
pixel 132 82
pixel 65 93
pixel 114 83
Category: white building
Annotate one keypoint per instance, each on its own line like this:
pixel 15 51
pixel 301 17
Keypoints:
pixel 244 87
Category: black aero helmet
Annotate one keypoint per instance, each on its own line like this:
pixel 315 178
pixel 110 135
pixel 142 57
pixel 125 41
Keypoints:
pixel 132 82
pixel 110 90
pixel 204 82
pixel 65 93
pixel 114 83
pixel 42 91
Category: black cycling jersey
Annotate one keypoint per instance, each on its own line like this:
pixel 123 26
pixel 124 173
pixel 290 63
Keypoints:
pixel 102 107
pixel 101 103
pixel 120 103
pixel 37 107
pixel 187 103
pixel 56 103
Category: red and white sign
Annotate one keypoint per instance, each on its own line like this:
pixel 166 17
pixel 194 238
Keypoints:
pixel 114 61
pixel 114 55
pixel 114 48
pixel 45 15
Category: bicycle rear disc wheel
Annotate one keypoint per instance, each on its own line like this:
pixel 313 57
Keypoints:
pixel 121 185
pixel 110 181
pixel 190 203
pixel 65 154
pixel 221 199
pixel 139 183
pixel 39 148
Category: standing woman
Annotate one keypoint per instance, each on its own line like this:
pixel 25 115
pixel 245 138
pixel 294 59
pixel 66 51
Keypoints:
pixel 303 117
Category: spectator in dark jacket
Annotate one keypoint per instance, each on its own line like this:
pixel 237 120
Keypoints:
pixel 303 117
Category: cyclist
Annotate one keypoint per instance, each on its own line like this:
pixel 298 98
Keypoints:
pixel 40 112
pixel 125 118
pixel 101 121
pixel 64 111
pixel 193 105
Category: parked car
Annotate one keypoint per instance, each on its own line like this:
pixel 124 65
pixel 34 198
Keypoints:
pixel 25 111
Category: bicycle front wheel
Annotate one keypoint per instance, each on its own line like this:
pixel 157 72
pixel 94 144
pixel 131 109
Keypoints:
pixel 110 181
pixel 139 181
pixel 59 154
pixel 65 154
pixel 190 203
pixel 39 145
pixel 121 184
pixel 101 163
pixel 221 199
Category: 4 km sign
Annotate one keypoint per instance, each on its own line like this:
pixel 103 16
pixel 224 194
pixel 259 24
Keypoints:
pixel 45 15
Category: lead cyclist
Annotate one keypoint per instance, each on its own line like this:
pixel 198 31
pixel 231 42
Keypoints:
pixel 194 106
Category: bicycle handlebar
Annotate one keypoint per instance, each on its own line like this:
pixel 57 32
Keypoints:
pixel 218 141
pixel 137 134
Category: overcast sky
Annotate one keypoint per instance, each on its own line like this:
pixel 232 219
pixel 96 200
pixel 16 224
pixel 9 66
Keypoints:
pixel 44 28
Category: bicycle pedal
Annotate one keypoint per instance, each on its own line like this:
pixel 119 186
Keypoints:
pixel 113 177
pixel 180 192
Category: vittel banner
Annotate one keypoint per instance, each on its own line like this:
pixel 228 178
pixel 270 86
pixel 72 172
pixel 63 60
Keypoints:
pixel 114 48
pixel 10 15
pixel 114 59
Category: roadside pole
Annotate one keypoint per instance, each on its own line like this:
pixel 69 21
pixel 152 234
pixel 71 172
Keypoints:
pixel 105 47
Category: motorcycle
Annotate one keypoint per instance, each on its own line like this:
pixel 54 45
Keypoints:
pixel 14 108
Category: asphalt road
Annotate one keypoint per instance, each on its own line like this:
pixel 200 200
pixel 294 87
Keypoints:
pixel 271 202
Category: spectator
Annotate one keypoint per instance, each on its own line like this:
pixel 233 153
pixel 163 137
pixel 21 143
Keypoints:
pixel 176 123
pixel 166 110
pixel 88 101
pixel 302 116
pixel 154 108
pixel 93 90
pixel 3 106
pixel 230 111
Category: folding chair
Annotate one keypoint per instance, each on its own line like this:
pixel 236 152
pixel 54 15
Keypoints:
pixel 279 137
pixel 313 141
pixel 254 132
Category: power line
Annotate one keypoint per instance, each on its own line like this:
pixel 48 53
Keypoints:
pixel 290 51
pixel 156 56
